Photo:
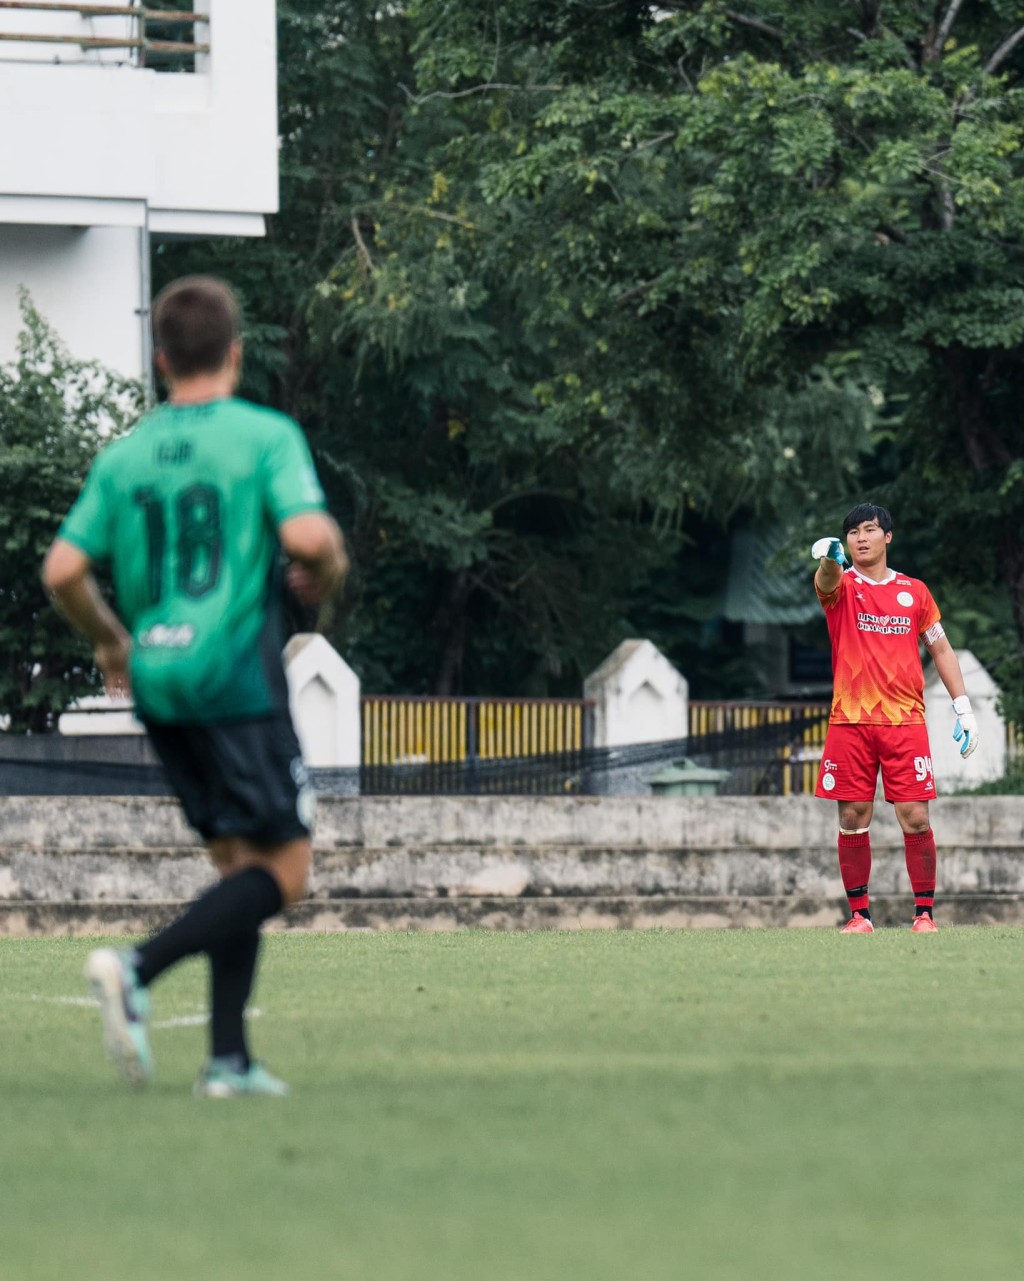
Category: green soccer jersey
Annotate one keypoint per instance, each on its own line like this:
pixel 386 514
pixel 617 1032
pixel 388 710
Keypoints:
pixel 186 509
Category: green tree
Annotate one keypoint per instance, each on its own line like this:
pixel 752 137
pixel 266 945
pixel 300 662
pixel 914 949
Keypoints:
pixel 486 555
pixel 802 222
pixel 55 413
pixel 557 288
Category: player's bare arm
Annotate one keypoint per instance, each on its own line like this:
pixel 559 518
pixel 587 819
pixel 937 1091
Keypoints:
pixel 67 576
pixel 947 665
pixel 316 547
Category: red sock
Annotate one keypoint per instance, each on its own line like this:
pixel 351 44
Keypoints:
pixel 855 868
pixel 920 847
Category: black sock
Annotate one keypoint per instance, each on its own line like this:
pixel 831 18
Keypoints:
pixel 234 907
pixel 861 911
pixel 232 970
pixel 922 911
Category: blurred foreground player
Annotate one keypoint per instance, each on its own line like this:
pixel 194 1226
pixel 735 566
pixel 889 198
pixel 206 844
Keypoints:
pixel 192 510
pixel 877 618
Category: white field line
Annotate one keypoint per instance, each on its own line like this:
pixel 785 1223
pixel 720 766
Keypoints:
pixel 182 1020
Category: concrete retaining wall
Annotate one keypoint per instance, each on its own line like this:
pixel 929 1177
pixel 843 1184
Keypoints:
pixel 122 864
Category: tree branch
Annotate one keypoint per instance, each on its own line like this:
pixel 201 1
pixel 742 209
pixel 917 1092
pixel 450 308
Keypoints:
pixel 743 20
pixel 435 213
pixel 364 253
pixel 934 52
pixel 484 88
pixel 656 142
pixel 1003 52
pixel 766 29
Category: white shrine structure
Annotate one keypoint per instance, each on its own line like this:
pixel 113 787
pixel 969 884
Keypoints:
pixel 121 126
pixel 638 696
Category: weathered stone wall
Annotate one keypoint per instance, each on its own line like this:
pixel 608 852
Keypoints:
pixel 111 863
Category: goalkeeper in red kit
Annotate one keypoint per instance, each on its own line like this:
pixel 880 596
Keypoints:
pixel 877 619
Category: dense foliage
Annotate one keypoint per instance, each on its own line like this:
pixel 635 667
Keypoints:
pixel 565 293
pixel 54 414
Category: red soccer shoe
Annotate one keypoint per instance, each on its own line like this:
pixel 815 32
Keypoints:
pixel 924 925
pixel 858 924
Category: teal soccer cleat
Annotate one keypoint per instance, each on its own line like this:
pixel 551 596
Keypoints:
pixel 124 1007
pixel 221 1079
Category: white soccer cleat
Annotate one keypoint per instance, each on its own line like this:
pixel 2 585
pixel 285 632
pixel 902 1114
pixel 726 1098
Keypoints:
pixel 220 1080
pixel 124 1008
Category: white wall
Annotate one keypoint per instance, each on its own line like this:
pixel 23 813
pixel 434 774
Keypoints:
pixel 85 281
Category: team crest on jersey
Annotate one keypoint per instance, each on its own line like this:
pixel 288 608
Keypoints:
pixel 904 598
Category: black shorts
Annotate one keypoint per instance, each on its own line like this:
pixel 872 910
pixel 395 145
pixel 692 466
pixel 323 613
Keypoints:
pixel 238 778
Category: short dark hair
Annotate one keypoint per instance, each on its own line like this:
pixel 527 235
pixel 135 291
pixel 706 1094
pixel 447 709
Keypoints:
pixel 195 321
pixel 868 511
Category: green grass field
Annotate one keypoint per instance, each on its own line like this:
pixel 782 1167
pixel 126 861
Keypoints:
pixel 707 1104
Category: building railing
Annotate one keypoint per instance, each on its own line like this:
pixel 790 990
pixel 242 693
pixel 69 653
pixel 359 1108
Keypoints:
pixel 143 39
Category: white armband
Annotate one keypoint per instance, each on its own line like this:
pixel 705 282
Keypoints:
pixel 933 633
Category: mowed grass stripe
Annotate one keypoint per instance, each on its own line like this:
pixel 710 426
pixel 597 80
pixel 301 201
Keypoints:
pixel 721 1104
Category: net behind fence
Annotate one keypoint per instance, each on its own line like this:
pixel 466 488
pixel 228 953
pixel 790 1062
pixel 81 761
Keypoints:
pixel 768 759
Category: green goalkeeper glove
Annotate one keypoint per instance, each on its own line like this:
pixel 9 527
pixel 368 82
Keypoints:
pixel 829 549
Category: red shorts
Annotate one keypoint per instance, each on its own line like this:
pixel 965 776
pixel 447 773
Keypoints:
pixel 854 753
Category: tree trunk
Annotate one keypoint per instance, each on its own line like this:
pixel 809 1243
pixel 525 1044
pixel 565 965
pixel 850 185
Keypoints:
pixel 452 626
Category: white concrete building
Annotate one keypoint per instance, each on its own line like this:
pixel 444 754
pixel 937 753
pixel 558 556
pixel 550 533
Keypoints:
pixel 111 138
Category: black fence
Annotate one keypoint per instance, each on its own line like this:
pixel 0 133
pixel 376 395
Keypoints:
pixel 757 760
pixel 771 759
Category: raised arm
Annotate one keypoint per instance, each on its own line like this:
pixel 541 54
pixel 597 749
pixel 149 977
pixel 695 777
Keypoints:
pixel 829 553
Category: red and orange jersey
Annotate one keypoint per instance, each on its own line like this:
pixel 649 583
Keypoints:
pixel 875 630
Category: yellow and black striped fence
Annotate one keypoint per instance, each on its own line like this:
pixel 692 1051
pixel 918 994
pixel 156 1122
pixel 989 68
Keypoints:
pixel 422 745
pixel 399 730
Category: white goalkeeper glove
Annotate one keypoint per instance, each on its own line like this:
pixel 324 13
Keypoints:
pixel 966 728
pixel 830 549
